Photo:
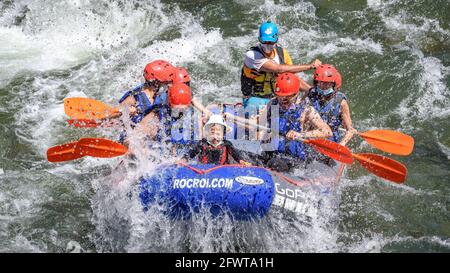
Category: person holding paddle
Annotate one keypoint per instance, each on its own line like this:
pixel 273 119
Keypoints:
pixel 143 98
pixel 292 124
pixel 157 124
pixel 330 103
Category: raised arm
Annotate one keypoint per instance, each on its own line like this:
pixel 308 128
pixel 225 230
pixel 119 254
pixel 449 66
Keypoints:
pixel 271 66
pixel 199 106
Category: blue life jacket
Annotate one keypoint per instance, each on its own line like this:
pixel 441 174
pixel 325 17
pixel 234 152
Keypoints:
pixel 143 104
pixel 330 111
pixel 288 120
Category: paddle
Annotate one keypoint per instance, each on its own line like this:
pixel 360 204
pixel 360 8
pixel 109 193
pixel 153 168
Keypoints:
pixel 95 147
pixel 327 147
pixel 63 152
pixel 389 141
pixel 85 108
pixel 331 149
pixel 383 167
pixel 100 147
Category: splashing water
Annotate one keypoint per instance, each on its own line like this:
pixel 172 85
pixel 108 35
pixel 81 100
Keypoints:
pixel 393 56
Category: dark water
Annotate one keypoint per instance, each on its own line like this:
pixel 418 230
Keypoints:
pixel 394 57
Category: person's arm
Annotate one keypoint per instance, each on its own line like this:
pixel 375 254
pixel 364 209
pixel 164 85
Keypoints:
pixel 252 122
pixel 347 123
pixel 150 125
pixel 271 66
pixel 311 117
pixel 199 106
pixel 193 151
pixel 236 155
pixel 130 103
pixel 304 86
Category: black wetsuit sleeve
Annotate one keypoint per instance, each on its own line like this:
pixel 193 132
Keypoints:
pixel 235 154
pixel 193 151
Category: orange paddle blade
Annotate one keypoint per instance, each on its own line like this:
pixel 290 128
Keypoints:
pixel 63 152
pixel 331 149
pixel 100 147
pixel 83 123
pixel 85 108
pixel 389 141
pixel 383 167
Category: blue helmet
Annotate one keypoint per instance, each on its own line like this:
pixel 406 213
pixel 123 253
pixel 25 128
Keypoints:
pixel 268 32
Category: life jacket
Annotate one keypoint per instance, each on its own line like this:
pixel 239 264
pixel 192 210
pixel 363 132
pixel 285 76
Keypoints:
pixel 143 103
pixel 259 83
pixel 208 151
pixel 330 111
pixel 288 120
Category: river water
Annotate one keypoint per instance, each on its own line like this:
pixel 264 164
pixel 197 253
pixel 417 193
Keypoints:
pixel 394 57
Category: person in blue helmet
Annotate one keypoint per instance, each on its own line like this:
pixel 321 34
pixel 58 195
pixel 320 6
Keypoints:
pixel 261 65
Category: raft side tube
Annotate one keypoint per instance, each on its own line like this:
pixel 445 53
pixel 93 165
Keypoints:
pixel 242 192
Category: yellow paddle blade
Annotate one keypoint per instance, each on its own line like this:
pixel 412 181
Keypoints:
pixel 85 108
pixel 390 141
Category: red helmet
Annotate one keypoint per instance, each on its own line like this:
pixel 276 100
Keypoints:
pixel 287 84
pixel 158 70
pixel 326 73
pixel 179 95
pixel 180 75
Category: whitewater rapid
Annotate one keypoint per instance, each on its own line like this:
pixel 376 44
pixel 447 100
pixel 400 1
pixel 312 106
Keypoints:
pixel 52 50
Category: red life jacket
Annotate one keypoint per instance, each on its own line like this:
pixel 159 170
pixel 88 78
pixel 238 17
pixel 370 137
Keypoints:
pixel 204 158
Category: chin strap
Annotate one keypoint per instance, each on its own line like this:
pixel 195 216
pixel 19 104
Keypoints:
pixel 215 145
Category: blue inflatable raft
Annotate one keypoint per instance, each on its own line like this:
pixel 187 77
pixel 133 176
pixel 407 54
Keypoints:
pixel 239 191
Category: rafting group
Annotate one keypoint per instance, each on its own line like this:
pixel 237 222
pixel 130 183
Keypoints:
pixel 284 110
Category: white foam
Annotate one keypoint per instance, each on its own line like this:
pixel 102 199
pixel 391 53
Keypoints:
pixel 346 44
pixel 182 50
pixel 269 10
pixel 68 33
pixel 444 149
pixel 432 99
pixel 434 95
pixel 430 239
